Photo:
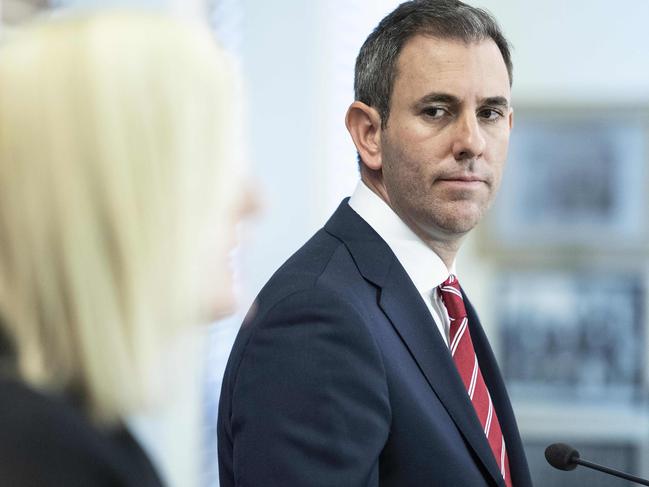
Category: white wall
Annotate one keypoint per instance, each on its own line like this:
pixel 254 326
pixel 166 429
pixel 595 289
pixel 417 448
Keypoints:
pixel 578 50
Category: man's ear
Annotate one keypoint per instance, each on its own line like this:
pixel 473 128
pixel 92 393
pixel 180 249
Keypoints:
pixel 511 118
pixel 364 125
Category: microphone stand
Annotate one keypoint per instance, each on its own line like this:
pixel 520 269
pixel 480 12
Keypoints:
pixel 610 471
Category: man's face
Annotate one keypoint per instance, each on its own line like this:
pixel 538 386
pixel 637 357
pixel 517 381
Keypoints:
pixel 445 144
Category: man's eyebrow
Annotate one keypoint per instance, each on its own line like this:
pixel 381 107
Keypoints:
pixel 447 99
pixel 439 98
pixel 496 101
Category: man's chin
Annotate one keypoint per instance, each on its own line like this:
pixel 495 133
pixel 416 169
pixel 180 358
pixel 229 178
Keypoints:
pixel 459 223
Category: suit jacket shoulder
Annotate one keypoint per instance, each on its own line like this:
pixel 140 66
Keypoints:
pixel 308 327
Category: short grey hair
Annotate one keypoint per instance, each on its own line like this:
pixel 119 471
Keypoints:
pixel 376 67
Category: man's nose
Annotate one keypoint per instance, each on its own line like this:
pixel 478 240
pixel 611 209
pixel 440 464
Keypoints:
pixel 469 141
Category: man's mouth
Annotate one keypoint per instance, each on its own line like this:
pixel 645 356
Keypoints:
pixel 467 181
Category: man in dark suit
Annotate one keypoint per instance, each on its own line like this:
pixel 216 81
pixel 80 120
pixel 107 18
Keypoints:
pixel 362 362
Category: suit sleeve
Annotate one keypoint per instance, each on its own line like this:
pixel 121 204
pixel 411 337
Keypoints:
pixel 309 399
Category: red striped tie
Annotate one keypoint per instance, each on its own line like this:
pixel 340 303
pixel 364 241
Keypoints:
pixel 465 359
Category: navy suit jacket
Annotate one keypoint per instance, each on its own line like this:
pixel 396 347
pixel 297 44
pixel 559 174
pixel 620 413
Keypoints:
pixel 340 377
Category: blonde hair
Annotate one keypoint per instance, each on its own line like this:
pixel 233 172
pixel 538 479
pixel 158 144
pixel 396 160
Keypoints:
pixel 115 167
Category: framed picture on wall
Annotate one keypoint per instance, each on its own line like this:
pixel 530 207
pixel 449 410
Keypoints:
pixel 575 178
pixel 572 336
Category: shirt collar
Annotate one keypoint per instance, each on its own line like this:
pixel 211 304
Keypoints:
pixel 424 267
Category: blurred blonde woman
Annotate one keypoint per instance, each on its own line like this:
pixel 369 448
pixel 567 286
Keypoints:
pixel 118 194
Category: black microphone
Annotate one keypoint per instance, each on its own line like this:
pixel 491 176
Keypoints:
pixel 565 457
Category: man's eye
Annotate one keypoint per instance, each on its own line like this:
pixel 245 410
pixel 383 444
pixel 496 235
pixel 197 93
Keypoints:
pixel 490 114
pixel 434 112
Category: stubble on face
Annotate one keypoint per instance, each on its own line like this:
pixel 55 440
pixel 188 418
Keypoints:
pixel 422 201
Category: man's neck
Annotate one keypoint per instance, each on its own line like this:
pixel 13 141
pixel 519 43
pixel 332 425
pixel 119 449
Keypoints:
pixel 445 247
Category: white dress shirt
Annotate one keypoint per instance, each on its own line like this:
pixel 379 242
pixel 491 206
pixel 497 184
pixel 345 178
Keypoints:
pixel 424 267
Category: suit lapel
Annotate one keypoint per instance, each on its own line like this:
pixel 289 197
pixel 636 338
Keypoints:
pixel 402 304
pixel 493 378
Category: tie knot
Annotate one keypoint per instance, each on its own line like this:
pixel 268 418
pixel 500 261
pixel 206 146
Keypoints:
pixel 451 295
pixel 451 281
